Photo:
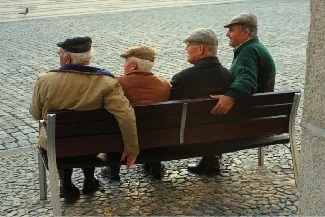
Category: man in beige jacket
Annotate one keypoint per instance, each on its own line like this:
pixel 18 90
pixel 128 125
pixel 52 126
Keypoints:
pixel 78 86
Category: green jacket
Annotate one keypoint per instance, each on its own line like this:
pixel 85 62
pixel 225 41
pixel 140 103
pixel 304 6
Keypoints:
pixel 253 70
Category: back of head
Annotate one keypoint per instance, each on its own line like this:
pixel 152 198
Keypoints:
pixel 204 36
pixel 247 21
pixel 143 55
pixel 79 48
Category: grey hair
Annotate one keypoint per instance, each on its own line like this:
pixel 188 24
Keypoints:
pixel 252 30
pixel 142 64
pixel 80 58
pixel 212 48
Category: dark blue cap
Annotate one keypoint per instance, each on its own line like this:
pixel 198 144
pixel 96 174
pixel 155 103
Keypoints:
pixel 78 44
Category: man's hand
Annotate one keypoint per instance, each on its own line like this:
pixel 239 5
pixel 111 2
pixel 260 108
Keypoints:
pixel 130 159
pixel 224 104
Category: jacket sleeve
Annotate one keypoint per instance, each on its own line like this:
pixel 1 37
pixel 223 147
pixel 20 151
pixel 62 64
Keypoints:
pixel 175 83
pixel 245 82
pixel 116 103
pixel 36 106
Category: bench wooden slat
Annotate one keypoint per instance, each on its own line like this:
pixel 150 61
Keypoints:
pixel 259 99
pixel 205 117
pixel 101 115
pixel 280 97
pixel 245 129
pixel 74 146
pixel 107 128
pixel 174 153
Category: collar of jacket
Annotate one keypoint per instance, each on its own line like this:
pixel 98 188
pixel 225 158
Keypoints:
pixel 139 72
pixel 250 41
pixel 86 69
pixel 205 60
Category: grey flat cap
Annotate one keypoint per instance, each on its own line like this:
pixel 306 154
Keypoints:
pixel 246 19
pixel 204 36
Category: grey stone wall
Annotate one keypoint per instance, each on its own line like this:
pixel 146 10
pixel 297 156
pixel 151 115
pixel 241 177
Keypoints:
pixel 312 186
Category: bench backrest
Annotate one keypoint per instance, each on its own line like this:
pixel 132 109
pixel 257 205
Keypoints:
pixel 173 123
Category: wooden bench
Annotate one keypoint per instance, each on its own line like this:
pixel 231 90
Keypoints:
pixel 169 131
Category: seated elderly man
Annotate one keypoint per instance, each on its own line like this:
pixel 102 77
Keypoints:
pixel 141 87
pixel 206 77
pixel 78 86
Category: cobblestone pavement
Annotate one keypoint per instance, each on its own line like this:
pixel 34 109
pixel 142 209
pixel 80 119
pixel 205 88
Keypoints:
pixel 28 47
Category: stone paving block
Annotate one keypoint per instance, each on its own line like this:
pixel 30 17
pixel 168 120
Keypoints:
pixel 10 145
pixel 22 143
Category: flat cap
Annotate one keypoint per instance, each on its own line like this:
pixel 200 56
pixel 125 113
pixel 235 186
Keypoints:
pixel 246 19
pixel 203 35
pixel 141 52
pixel 78 44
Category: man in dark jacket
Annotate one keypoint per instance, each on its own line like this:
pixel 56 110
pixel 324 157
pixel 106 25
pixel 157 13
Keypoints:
pixel 206 77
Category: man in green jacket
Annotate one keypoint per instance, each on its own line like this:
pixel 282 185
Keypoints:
pixel 253 68
pixel 253 71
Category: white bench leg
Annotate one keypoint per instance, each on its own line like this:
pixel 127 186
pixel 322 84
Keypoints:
pixel 261 156
pixel 53 171
pixel 293 144
pixel 295 159
pixel 42 178
pixel 55 199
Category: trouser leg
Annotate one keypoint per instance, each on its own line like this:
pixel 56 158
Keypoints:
pixel 67 188
pixel 91 184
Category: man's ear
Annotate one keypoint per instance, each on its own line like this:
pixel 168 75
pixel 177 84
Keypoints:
pixel 246 32
pixel 134 65
pixel 68 59
pixel 201 49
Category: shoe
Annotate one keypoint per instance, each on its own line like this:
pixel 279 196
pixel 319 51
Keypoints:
pixel 112 172
pixel 208 165
pixel 69 191
pixel 157 170
pixel 146 167
pixel 90 186
pixel 203 170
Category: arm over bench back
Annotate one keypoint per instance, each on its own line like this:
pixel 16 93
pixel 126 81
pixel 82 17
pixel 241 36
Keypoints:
pixel 173 123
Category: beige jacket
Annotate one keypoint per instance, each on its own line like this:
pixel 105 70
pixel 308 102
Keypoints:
pixel 74 90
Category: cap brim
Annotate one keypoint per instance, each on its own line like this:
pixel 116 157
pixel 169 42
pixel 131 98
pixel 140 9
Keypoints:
pixel 59 44
pixel 229 24
pixel 123 55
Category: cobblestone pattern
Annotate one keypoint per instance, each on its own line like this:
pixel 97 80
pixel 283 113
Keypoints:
pixel 52 8
pixel 243 189
pixel 28 47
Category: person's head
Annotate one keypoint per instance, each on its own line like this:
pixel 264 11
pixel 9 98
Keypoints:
pixel 201 43
pixel 75 50
pixel 241 28
pixel 140 57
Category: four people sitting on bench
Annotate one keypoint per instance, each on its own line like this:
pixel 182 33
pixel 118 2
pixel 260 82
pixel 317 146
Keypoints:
pixel 72 87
